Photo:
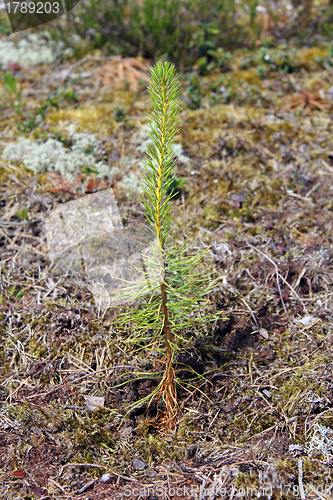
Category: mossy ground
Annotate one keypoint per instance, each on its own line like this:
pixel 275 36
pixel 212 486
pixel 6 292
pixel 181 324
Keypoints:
pixel 258 190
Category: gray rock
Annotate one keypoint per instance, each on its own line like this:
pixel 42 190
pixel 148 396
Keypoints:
pixel 139 464
pixel 106 478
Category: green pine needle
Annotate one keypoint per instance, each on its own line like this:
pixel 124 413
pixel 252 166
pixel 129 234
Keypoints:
pixel 178 289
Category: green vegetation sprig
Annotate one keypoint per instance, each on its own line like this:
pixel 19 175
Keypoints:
pixel 178 288
pixel 14 90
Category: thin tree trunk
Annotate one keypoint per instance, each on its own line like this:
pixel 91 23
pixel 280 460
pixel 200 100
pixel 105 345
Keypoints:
pixel 169 377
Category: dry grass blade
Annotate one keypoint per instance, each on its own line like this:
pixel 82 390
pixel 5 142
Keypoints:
pixel 278 275
pixel 320 494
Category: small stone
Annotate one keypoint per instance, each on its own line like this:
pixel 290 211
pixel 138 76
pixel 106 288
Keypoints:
pixel 264 333
pixel 139 464
pixel 106 478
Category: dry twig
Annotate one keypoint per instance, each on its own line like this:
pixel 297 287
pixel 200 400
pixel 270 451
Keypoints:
pixel 115 72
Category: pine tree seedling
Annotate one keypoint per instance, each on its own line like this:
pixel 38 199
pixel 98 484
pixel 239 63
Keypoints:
pixel 178 288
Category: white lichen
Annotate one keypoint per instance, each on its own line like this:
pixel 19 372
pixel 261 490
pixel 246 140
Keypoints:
pixel 33 49
pixel 321 441
pixel 130 183
pixel 53 156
